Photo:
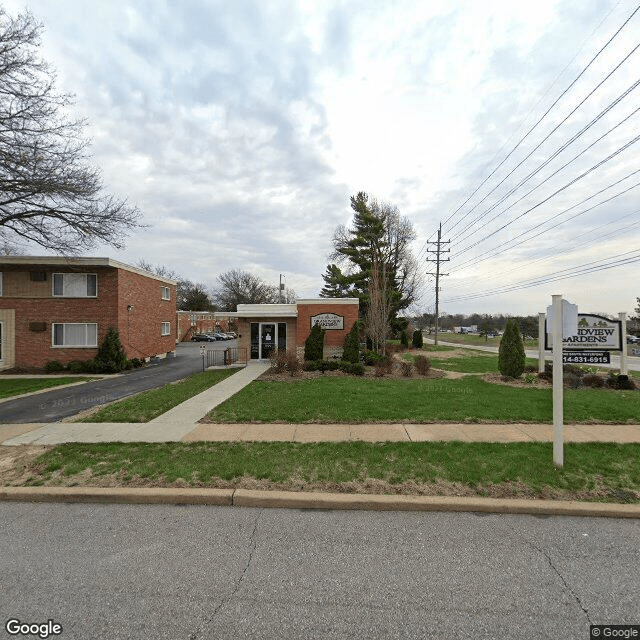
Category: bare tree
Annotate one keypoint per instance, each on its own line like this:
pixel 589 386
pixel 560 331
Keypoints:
pixel 188 294
pixel 50 193
pixel 241 287
pixel 377 321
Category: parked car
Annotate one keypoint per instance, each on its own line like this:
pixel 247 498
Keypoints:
pixel 232 335
pixel 202 337
pixel 633 340
pixel 219 336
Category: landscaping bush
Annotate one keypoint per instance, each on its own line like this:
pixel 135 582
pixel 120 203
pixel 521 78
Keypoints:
pixel 383 367
pixel 404 339
pixel 406 369
pixel 423 365
pixel 351 348
pixel 53 366
pixel 417 340
pixel 278 361
pixel 593 381
pixel 353 368
pixel 137 362
pixel 111 357
pixel 293 364
pixel 75 366
pixel 369 358
pixel 314 344
pixel 511 356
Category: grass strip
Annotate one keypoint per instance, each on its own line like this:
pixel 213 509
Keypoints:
pixel 471 362
pixel 150 404
pixel 607 472
pixel 18 386
pixel 352 400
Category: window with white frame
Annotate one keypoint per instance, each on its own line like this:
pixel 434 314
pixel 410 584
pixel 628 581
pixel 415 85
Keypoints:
pixel 166 293
pixel 75 285
pixel 166 329
pixel 75 334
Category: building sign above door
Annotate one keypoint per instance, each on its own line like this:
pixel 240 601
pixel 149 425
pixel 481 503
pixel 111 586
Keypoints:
pixel 328 321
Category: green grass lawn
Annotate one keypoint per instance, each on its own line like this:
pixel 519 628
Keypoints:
pixel 605 472
pixel 471 362
pixel 465 338
pixel 17 386
pixel 346 399
pixel 150 404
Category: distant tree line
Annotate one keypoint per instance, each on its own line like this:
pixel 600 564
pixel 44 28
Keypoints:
pixel 231 288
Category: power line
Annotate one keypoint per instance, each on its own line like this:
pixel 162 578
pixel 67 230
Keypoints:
pixel 544 115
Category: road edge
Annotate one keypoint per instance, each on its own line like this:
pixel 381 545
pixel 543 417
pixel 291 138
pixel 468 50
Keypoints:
pixel 314 500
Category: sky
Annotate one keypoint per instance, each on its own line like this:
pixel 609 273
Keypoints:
pixel 241 130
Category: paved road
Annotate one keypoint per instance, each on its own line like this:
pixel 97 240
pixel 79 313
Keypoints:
pixel 57 404
pixel 196 573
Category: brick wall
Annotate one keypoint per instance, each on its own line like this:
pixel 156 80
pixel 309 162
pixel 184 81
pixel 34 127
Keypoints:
pixel 35 308
pixel 333 338
pixel 141 312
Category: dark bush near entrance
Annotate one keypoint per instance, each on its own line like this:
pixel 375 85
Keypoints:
pixel 111 357
pixel 351 349
pixel 417 340
pixel 314 344
pixel 511 356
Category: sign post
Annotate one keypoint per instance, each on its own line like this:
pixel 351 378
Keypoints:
pixel 202 350
pixel 558 382
pixel 541 340
pixel 623 342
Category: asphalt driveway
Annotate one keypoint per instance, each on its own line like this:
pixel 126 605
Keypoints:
pixel 54 405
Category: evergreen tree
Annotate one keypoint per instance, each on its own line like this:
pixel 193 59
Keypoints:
pixel 336 283
pixel 511 356
pixel 417 340
pixel 351 350
pixel 314 344
pixel 111 357
pixel 404 339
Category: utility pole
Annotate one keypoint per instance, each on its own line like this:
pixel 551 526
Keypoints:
pixel 438 250
pixel 280 290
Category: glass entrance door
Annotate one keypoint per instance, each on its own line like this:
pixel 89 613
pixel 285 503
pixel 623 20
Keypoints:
pixel 267 339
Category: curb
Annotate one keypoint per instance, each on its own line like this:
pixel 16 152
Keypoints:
pixel 304 500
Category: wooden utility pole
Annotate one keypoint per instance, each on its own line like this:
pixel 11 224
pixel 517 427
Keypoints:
pixel 438 250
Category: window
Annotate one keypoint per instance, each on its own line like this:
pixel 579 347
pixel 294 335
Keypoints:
pixel 38 276
pixel 75 334
pixel 75 285
pixel 166 293
pixel 166 329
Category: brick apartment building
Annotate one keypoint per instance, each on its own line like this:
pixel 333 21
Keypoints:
pixel 192 322
pixel 54 308
pixel 264 327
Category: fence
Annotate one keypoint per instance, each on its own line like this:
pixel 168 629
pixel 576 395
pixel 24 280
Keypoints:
pixel 223 357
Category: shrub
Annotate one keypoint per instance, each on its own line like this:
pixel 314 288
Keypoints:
pixel 383 367
pixel 293 364
pixel 404 339
pixel 111 357
pixel 351 349
pixel 592 380
pixel 137 362
pixel 278 361
pixel 371 357
pixel 314 344
pixel 75 366
pixel 53 366
pixel 406 368
pixel 353 368
pixel 422 365
pixel 511 356
pixel 417 340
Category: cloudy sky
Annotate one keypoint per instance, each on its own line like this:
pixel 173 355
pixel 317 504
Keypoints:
pixel 241 129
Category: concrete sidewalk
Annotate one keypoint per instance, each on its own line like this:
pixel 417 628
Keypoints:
pixel 60 432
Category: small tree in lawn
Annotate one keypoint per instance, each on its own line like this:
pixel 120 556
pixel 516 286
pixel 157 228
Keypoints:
pixel 111 357
pixel 404 339
pixel 314 344
pixel 417 340
pixel 511 356
pixel 351 349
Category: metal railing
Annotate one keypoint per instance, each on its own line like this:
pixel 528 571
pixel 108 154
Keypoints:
pixel 224 357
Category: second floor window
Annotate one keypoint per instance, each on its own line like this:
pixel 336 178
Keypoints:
pixel 166 293
pixel 75 285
